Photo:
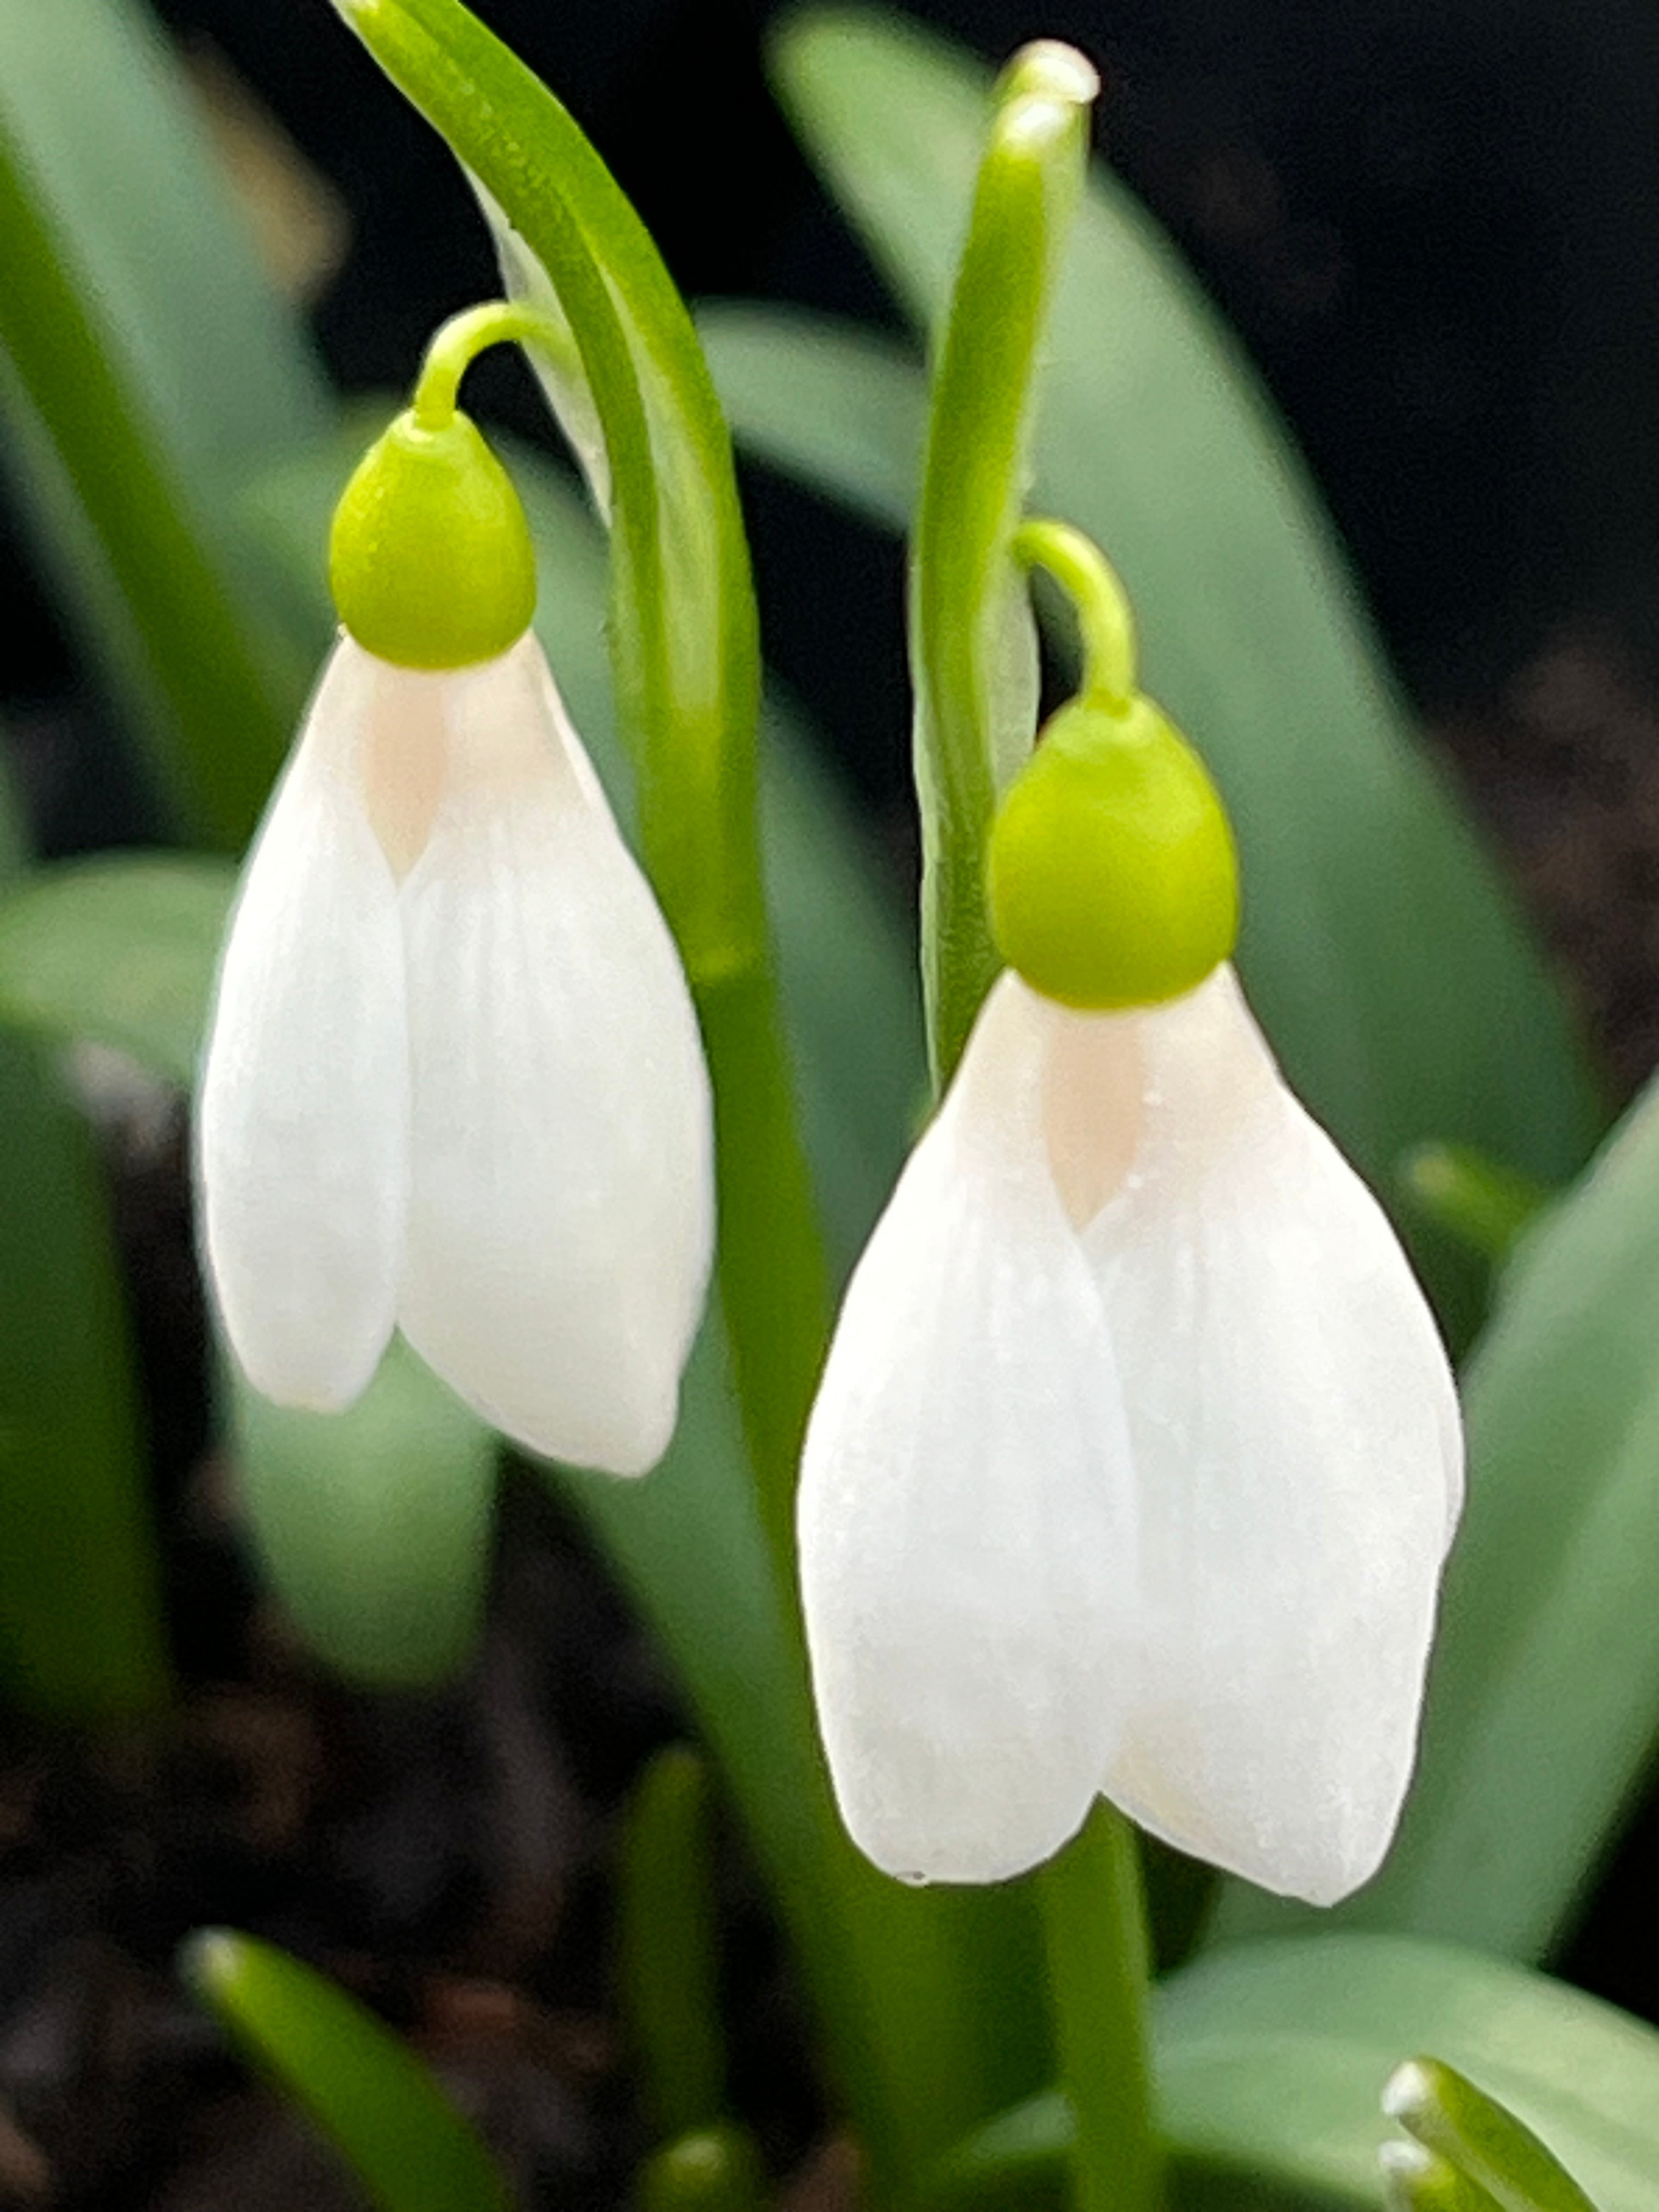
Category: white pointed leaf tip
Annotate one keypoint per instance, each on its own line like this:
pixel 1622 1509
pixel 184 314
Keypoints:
pixel 964 1503
pixel 302 1126
pixel 561 1220
pixel 1136 1433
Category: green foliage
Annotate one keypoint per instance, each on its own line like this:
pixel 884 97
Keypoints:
pixel 147 365
pixel 1271 2060
pixel 1385 961
pixel 120 949
pixel 670 1944
pixel 374 1524
pixel 1479 2138
pixel 80 1636
pixel 362 2087
pixel 973 644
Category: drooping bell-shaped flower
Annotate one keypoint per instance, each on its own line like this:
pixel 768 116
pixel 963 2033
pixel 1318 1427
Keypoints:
pixel 454 1082
pixel 1137 1455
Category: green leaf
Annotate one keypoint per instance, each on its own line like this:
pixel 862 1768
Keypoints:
pixel 1454 2119
pixel 362 2087
pixel 1387 962
pixel 670 1944
pixel 80 1631
pixel 973 637
pixel 80 1634
pixel 1272 2059
pixel 1419 2180
pixel 1483 1203
pixel 374 1524
pixel 1547 1662
pixel 839 407
pixel 120 949
pixel 147 364
pixel 715 2170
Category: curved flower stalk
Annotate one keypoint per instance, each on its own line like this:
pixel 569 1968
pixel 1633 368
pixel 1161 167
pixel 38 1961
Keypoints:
pixel 1137 1455
pixel 453 1080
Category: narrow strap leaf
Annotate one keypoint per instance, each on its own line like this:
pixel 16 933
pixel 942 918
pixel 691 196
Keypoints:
pixel 365 2089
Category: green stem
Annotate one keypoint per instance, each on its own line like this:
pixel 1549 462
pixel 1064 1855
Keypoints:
pixel 1106 622
pixel 1095 1919
pixel 456 344
pixel 686 656
pixel 229 710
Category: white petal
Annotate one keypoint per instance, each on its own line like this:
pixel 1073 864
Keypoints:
pixel 1298 1458
pixel 964 1498
pixel 561 1207
pixel 303 1116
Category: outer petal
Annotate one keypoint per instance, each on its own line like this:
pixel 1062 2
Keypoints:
pixel 303 1113
pixel 964 1496
pixel 1298 1456
pixel 561 1209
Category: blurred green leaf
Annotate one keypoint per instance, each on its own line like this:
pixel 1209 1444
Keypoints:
pixel 362 2087
pixel 1272 2059
pixel 120 949
pixel 842 407
pixel 669 1943
pixel 80 1634
pixel 1384 958
pixel 148 365
pixel 1547 1663
pixel 1482 1203
pixel 374 1524
pixel 1453 2118
pixel 715 2170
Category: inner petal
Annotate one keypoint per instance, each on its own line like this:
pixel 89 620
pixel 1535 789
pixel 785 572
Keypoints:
pixel 403 757
pixel 1094 1106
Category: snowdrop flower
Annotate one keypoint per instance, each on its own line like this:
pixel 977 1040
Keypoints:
pixel 1137 1455
pixel 454 1081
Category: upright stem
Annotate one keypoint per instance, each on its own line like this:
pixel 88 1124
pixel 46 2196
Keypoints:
pixel 1094 1919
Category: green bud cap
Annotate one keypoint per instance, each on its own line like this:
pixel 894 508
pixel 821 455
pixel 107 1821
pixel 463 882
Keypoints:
pixel 1112 877
pixel 429 558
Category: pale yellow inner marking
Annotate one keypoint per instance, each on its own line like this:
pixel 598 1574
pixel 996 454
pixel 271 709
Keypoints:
pixel 1093 1107
pixel 403 762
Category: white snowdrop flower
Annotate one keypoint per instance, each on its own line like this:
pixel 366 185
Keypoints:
pixel 1137 1455
pixel 454 1082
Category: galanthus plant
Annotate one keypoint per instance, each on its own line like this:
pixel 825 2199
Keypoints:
pixel 1137 1455
pixel 453 1078
pixel 1108 1510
